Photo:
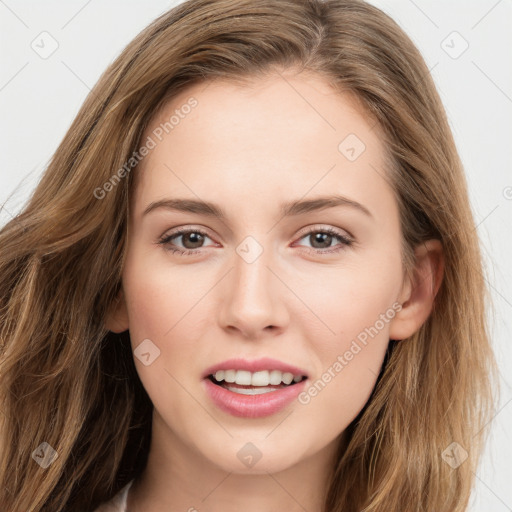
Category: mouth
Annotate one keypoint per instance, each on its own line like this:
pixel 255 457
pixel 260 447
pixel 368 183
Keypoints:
pixel 262 397
pixel 253 388
pixel 245 382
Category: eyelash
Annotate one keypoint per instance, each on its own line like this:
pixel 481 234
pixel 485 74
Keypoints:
pixel 345 241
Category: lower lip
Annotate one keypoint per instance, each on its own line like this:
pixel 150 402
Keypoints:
pixel 252 406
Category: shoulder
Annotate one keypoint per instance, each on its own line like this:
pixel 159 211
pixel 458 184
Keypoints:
pixel 118 502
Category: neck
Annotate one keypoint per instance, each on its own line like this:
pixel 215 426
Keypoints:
pixel 177 477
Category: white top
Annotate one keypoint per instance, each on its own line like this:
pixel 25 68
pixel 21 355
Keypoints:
pixel 118 502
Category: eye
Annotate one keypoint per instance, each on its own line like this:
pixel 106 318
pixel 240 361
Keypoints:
pixel 193 240
pixel 192 237
pixel 321 240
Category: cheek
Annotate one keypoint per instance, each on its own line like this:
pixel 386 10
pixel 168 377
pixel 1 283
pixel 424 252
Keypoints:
pixel 167 306
pixel 160 297
pixel 349 360
pixel 149 306
pixel 161 309
pixel 349 337
pixel 345 301
pixel 337 396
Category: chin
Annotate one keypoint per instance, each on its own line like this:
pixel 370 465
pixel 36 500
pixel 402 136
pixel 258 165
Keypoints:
pixel 257 457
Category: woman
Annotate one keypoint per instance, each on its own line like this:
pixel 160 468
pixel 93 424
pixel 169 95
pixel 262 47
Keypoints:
pixel 248 278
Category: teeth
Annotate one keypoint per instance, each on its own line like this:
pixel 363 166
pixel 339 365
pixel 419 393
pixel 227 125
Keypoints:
pixel 251 391
pixel 243 378
pixel 261 378
pixel 275 377
pixel 229 375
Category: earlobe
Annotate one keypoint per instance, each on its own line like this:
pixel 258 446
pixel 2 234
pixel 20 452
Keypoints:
pixel 117 318
pixel 428 275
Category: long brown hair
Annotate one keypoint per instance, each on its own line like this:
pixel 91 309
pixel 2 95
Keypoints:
pixel 66 381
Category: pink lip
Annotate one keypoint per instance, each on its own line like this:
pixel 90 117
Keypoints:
pixel 265 363
pixel 252 406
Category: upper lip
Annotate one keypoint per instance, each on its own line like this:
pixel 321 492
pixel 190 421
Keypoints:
pixel 254 365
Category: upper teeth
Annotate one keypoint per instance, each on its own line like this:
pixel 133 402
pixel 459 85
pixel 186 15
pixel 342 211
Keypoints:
pixel 263 378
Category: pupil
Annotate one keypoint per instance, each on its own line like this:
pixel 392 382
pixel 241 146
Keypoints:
pixel 198 240
pixel 322 238
pixel 318 238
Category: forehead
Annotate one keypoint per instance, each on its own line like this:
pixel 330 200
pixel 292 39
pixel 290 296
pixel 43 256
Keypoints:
pixel 285 100
pixel 281 135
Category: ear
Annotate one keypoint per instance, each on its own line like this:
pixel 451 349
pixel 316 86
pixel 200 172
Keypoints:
pixel 418 294
pixel 117 317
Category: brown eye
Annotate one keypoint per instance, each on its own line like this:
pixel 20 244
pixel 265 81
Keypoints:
pixel 321 240
pixel 192 240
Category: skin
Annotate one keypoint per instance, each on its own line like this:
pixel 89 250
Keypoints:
pixel 249 149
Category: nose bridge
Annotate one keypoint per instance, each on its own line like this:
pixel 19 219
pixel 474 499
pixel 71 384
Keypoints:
pixel 253 300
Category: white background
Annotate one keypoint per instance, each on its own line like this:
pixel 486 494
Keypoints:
pixel 40 97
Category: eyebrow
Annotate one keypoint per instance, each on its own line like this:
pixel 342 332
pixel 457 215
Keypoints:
pixel 290 209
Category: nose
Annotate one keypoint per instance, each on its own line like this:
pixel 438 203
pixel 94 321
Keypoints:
pixel 252 302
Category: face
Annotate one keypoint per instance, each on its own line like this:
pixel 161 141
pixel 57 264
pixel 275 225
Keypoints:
pixel 303 267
